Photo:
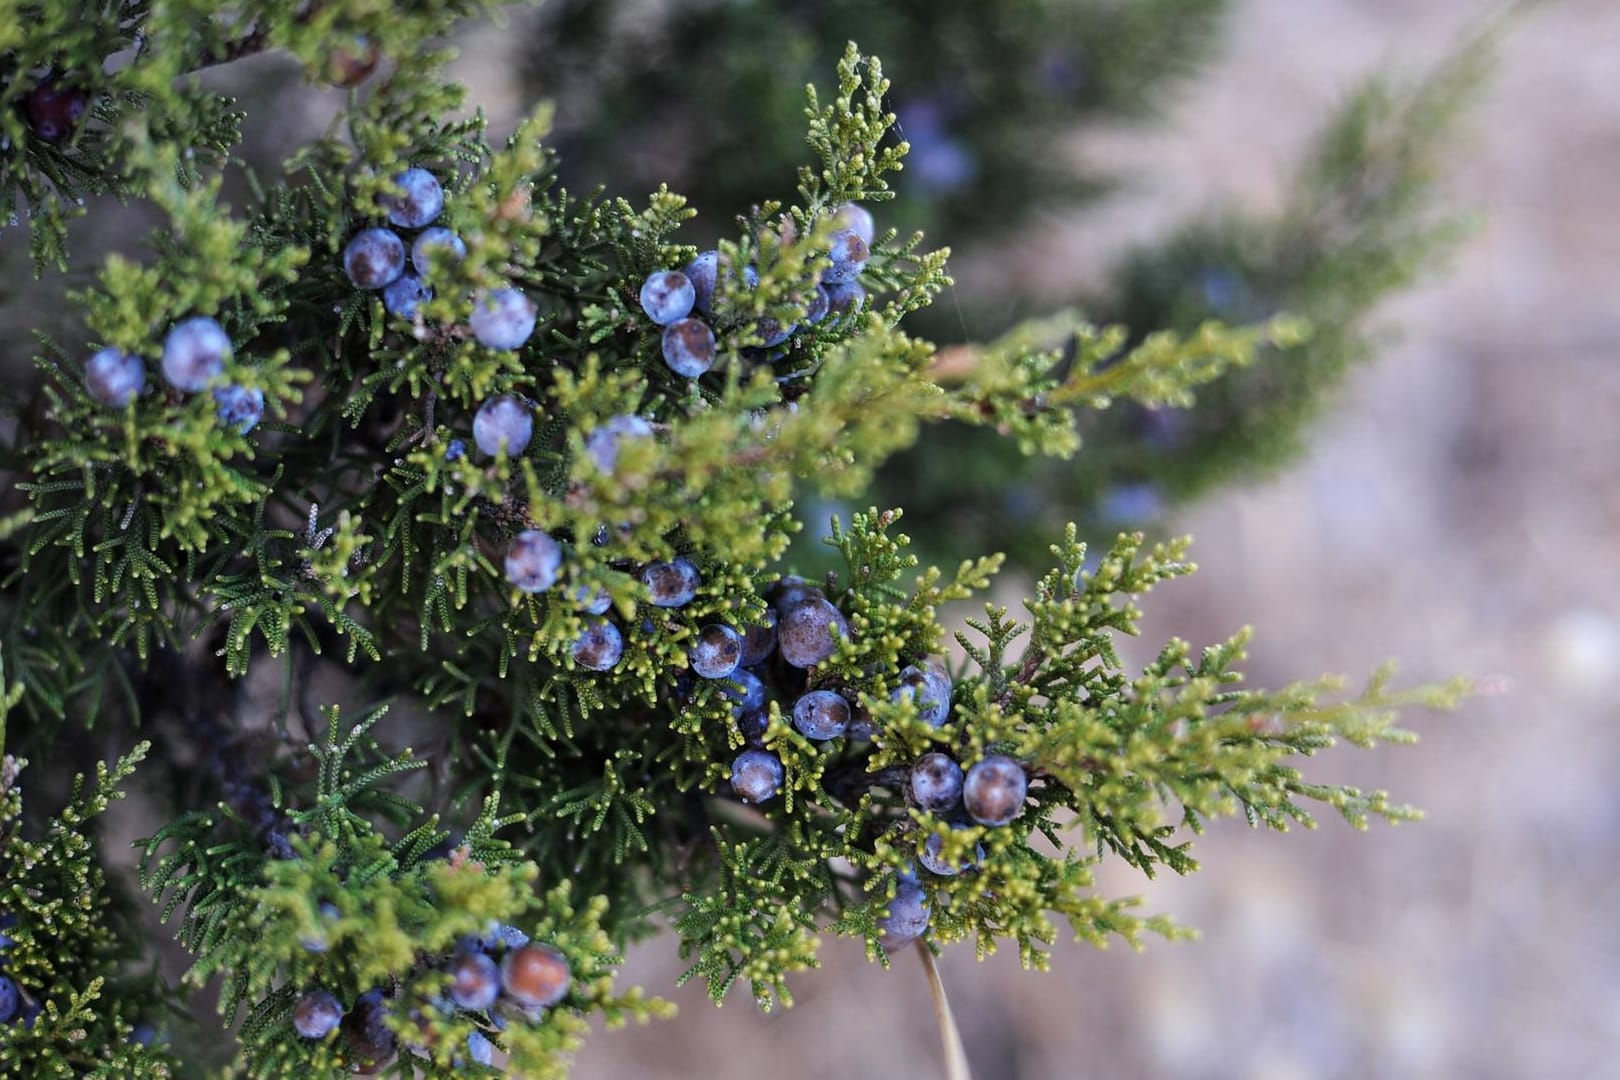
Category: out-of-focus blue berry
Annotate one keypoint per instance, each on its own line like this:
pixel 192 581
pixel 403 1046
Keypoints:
pixel 672 584
pixel 368 1033
pixel 500 935
pixel 374 258
pixel 194 353
pixel 536 976
pixel 475 981
pixel 701 273
pixel 994 790
pixel 934 862
pixel 848 253
pixel 55 110
pixel 437 244
pixel 821 714
pixel 420 199
pixel 455 450
pixel 593 600
pixel 716 652
pixel 503 319
pixel 114 377
pixel 404 295
pixel 759 641
pixel 858 220
pixel 10 999
pixel 771 332
pixel 317 1014
pixel 818 307
pixel 533 560
pixel 845 296
pixel 941 166
pixel 479 1048
pixel 688 347
pixel 602 445
pixel 936 783
pixel 239 407
pixel 930 687
pixel 756 775
pixel 746 692
pixel 600 646
pixel 667 296
pixel 1131 504
pixel 906 919
pixel 503 422
pixel 807 634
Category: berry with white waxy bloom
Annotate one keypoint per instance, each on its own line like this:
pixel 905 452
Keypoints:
pixel 748 693
pixel 436 245
pixel 503 422
pixel 759 641
pixel 479 1048
pixel 790 592
pixel 821 714
pixel 936 783
pixel 858 220
pixel 475 981
pixel 239 407
pixel 672 584
pixel 366 1028
pixel 808 633
pixel 420 199
pixel 933 859
pixel 114 377
pixel 599 647
pixel 771 331
pixel 503 936
pixel 533 560
pixel 994 790
pixel 906 919
pixel 667 296
pixel 848 253
pixel 536 976
pixel 404 295
pixel 756 775
pixel 503 319
pixel 688 347
pixel 593 600
pixel 845 296
pixel 701 273
pixel 930 687
pixel 374 258
pixel 194 353
pixel 317 1014
pixel 602 445
pixel 10 999
pixel 716 652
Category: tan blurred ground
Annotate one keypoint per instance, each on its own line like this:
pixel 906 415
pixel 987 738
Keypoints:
pixel 1459 513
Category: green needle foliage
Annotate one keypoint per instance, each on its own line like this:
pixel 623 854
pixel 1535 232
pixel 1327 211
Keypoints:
pixel 236 595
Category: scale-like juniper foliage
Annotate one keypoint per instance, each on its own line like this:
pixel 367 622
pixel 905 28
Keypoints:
pixel 452 878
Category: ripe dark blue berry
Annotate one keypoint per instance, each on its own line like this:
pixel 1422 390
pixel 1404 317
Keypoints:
pixel 503 319
pixel 479 1048
pixel 807 633
pixel 933 859
pixel 848 253
pixel 600 646
pixel 930 687
pixel 858 220
pixel 759 641
pixel 536 976
pixel 436 245
pixel 366 1028
pixel 821 714
pixel 533 560
pixel 239 407
pixel 475 981
pixel 503 936
pixel 10 999
pixel 906 919
pixel 716 652
pixel 419 201
pixel 748 693
pixel 688 347
pixel 756 775
pixel 194 353
pixel 317 1014
pixel 667 296
pixel 994 790
pixel 55 110
pixel 936 783
pixel 455 450
pixel 114 377
pixel 374 258
pixel 790 592
pixel 771 332
pixel 404 295
pixel 503 422
pixel 752 727
pixel 845 296
pixel 592 600
pixel 671 584
pixel 819 305
pixel 602 445
pixel 701 273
